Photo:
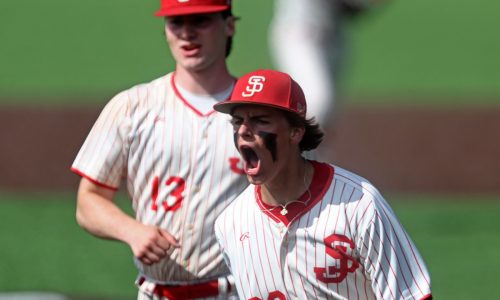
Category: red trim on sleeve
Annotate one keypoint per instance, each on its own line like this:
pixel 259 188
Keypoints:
pixel 427 297
pixel 80 173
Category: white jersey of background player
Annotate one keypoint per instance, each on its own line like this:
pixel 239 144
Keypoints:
pixel 176 155
pixel 304 229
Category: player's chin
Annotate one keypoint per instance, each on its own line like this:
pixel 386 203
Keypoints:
pixel 258 176
pixel 255 179
pixel 193 64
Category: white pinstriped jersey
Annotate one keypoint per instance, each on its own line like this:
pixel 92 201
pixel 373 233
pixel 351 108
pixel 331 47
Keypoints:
pixel 181 170
pixel 344 243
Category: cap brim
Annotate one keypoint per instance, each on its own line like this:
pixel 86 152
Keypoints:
pixel 227 107
pixel 191 10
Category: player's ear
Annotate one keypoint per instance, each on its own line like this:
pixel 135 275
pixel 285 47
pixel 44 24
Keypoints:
pixel 230 25
pixel 296 134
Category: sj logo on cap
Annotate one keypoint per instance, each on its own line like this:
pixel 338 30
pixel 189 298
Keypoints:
pixel 255 85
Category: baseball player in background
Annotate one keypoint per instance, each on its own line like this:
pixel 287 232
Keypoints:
pixel 307 41
pixel 305 229
pixel 176 157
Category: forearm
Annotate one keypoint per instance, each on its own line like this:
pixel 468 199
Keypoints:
pixel 99 215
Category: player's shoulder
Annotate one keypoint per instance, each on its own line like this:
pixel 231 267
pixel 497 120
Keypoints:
pixel 356 182
pixel 151 88
pixel 241 203
pixel 143 93
pixel 362 197
pixel 145 89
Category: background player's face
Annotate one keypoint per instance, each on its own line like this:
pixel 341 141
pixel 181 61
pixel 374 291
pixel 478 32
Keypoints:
pixel 265 140
pixel 198 41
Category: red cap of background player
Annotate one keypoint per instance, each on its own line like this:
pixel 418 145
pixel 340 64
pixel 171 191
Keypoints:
pixel 171 8
pixel 268 88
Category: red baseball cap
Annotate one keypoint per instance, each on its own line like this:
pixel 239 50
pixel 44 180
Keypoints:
pixel 268 88
pixel 171 8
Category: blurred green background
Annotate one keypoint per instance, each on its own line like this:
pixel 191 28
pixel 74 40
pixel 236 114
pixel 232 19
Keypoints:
pixel 82 52
pixel 96 48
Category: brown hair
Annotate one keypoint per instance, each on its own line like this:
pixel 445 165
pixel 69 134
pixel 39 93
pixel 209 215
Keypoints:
pixel 313 135
pixel 229 45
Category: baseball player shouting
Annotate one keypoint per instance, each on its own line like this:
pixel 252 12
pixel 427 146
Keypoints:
pixel 304 229
pixel 177 157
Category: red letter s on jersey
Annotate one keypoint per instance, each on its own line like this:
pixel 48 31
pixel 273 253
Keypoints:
pixel 339 247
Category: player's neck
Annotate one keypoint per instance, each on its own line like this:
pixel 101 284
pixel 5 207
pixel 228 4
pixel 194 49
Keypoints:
pixel 289 185
pixel 204 82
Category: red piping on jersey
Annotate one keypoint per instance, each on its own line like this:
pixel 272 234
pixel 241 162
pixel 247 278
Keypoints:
pixel 322 179
pixel 427 297
pixel 80 173
pixel 172 80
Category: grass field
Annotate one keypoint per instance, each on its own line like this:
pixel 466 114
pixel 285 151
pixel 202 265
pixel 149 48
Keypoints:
pixel 44 249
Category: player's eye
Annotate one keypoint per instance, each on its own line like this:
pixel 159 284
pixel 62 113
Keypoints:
pixel 236 121
pixel 175 22
pixel 200 21
pixel 262 121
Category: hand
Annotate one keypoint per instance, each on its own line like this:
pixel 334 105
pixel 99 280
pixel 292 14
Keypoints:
pixel 150 244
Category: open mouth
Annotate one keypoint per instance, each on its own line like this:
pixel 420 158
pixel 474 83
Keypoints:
pixel 251 163
pixel 191 49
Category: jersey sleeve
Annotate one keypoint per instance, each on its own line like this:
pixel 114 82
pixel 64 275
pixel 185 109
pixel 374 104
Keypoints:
pixel 102 158
pixel 389 256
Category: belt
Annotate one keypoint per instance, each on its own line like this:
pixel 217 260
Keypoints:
pixel 186 291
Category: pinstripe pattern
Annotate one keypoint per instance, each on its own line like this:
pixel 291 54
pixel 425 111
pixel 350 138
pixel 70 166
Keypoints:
pixel 149 134
pixel 345 244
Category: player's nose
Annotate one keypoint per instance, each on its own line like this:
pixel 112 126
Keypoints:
pixel 245 130
pixel 187 30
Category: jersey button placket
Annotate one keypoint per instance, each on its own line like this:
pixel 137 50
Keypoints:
pixel 283 232
pixel 281 229
pixel 283 251
pixel 284 236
